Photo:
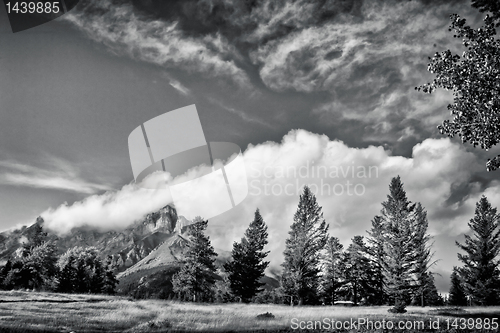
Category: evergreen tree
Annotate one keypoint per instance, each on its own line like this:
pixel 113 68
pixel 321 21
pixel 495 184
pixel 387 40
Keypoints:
pixel 81 270
pixel 15 276
pixel 480 273
pixel 307 237
pixel 430 292
pixel 109 280
pixel 397 218
pixel 357 271
pixel 3 273
pixel 422 255
pixel 376 254
pixel 457 293
pixel 247 266
pixel 196 279
pixel 331 280
pixel 67 276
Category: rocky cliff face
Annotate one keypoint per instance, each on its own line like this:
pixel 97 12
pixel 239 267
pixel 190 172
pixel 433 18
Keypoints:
pixel 125 247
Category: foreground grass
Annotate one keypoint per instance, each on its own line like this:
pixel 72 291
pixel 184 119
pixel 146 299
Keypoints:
pixel 51 312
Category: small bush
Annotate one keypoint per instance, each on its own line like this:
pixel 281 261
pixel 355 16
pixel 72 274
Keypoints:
pixel 265 316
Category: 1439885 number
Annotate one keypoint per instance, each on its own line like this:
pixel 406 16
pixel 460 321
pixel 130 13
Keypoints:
pixel 33 7
pixel 473 323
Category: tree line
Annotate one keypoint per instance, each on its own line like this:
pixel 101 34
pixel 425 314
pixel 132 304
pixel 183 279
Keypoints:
pixel 390 266
pixel 37 266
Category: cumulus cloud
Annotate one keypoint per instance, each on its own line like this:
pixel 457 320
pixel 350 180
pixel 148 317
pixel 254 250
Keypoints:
pixel 113 210
pixel 349 183
pixel 345 179
pixel 58 174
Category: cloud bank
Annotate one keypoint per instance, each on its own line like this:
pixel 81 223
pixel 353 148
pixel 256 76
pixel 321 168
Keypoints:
pixel 349 183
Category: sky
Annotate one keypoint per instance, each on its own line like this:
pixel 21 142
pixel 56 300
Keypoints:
pixel 318 93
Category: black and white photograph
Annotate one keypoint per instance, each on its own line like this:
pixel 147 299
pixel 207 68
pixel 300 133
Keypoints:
pixel 249 166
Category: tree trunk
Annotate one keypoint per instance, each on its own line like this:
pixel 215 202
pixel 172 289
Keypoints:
pixel 355 293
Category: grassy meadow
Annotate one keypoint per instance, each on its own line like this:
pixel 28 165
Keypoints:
pixel 22 311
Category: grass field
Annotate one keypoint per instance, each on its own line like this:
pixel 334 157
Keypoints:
pixel 49 312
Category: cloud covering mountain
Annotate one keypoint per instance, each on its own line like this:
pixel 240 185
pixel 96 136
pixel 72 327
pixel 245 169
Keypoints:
pixel 350 183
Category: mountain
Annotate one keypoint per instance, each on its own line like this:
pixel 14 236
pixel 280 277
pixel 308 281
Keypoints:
pixel 144 256
pixel 125 247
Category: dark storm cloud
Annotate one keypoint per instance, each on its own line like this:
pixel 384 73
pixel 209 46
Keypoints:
pixel 300 45
pixel 365 56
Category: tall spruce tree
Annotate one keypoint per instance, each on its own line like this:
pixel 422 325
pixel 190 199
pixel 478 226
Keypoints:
pixel 423 256
pixel 196 279
pixel 397 216
pixel 248 265
pixel 457 293
pixel 480 273
pixel 307 238
pixel 332 277
pixel 376 253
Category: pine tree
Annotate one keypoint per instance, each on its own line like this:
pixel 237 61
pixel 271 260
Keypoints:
pixel 331 280
pixel 81 271
pixel 432 297
pixel 376 254
pixel 422 255
pixel 357 272
pixel 109 279
pixel 196 277
pixel 480 273
pixel 3 273
pixel 307 238
pixel 397 218
pixel 457 293
pixel 247 266
pixel 67 276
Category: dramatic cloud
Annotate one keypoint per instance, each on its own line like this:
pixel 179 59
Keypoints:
pixel 366 56
pixel 345 179
pixel 126 31
pixel 58 174
pixel 113 210
pixel 350 184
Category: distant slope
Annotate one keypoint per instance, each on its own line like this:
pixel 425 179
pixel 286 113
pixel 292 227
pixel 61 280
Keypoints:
pixel 170 253
pixel 125 247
